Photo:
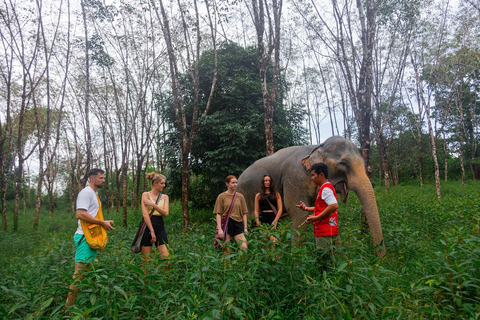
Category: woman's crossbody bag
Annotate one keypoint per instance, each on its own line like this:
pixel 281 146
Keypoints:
pixel 137 241
pixel 224 224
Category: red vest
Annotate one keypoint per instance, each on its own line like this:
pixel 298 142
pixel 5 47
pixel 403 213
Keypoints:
pixel 327 226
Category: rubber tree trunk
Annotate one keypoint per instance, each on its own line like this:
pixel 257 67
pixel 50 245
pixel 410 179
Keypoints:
pixel 185 187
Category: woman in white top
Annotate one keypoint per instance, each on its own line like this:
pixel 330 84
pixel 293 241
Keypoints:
pixel 155 234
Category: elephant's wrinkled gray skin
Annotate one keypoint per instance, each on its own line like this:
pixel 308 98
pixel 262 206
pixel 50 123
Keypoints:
pixel 289 168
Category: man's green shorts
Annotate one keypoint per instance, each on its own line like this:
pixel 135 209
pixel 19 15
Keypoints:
pixel 84 253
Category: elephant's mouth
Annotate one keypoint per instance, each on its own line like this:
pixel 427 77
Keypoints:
pixel 342 188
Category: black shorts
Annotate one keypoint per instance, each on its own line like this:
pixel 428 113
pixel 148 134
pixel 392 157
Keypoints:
pixel 235 228
pixel 160 233
pixel 267 217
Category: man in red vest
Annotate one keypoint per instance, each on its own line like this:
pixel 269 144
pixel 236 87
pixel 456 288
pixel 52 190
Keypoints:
pixel 325 213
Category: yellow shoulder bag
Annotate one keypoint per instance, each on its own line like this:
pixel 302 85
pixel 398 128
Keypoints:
pixel 95 234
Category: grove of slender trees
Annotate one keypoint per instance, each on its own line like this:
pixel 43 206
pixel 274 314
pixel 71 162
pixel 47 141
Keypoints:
pixel 197 89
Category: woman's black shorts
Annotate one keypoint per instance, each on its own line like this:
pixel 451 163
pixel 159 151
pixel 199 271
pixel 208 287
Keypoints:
pixel 160 233
pixel 267 217
pixel 235 227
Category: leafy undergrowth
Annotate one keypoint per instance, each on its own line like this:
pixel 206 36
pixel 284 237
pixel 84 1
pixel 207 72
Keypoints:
pixel 431 269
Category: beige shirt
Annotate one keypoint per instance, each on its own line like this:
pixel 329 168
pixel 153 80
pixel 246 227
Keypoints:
pixel 161 204
pixel 224 200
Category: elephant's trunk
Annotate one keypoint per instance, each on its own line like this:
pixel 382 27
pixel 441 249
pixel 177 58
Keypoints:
pixel 362 186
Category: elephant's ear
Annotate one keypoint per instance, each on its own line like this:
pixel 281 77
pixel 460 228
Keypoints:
pixel 306 162
pixel 314 157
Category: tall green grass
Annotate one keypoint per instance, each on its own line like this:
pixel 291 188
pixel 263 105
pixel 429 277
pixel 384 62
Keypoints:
pixel 431 270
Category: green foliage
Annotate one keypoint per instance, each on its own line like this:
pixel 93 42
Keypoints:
pixel 101 12
pixel 406 160
pixel 455 80
pixel 96 45
pixel 432 268
pixel 400 14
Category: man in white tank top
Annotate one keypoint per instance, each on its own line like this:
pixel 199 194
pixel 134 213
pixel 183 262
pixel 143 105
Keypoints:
pixel 87 210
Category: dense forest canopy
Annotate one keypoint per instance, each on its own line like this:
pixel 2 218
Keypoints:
pixel 201 89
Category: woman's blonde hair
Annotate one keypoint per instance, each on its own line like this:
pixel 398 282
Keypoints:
pixel 155 177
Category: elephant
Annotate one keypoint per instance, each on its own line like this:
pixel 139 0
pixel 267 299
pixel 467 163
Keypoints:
pixel 290 169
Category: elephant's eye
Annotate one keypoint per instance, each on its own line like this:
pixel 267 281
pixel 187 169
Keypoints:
pixel 343 164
